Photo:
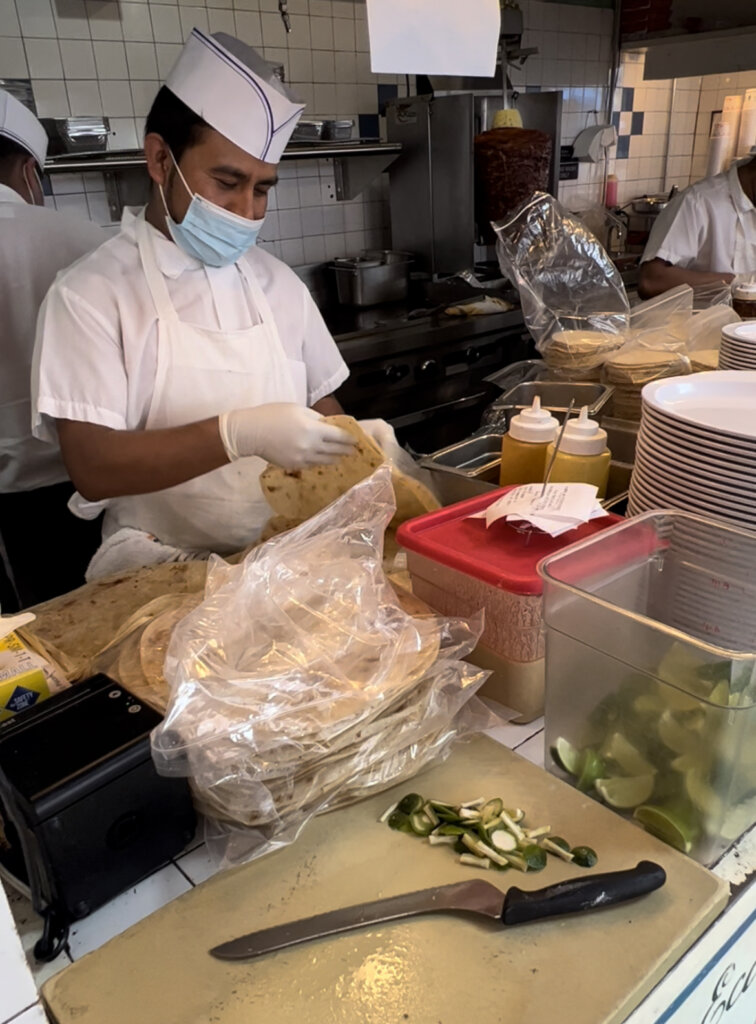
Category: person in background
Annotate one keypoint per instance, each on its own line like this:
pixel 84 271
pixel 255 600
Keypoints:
pixel 705 236
pixel 46 546
pixel 178 361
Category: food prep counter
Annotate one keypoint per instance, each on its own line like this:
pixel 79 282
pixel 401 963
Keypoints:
pixel 716 972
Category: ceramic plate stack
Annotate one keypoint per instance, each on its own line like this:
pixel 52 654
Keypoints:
pixel 697 452
pixel 628 372
pixel 738 349
pixel 697 447
pixel 578 355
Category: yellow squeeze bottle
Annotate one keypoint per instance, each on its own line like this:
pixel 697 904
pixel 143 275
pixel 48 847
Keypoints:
pixel 583 457
pixel 523 447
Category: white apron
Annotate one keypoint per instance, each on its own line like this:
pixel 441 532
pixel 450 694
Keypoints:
pixel 201 373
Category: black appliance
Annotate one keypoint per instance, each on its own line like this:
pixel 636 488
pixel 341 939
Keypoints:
pixel 425 373
pixel 85 814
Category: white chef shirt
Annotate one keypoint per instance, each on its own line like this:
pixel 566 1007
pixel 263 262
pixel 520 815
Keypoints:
pixel 35 243
pixel 710 227
pixel 96 353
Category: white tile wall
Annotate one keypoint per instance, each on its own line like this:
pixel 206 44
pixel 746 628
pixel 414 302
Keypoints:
pixel 108 57
pixel 673 148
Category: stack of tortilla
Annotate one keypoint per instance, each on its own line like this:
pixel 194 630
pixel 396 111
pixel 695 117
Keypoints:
pixel 301 675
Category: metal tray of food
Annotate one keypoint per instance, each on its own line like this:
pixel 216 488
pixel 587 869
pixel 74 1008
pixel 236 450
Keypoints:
pixel 465 469
pixel 556 395
pixel 474 457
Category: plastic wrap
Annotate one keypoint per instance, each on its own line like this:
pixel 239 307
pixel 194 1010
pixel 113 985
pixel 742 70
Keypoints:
pixel 300 684
pixel 573 299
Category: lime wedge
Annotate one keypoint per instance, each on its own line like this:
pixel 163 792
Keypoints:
pixel 627 756
pixel 720 694
pixel 676 736
pixel 704 797
pixel 591 768
pixel 566 756
pixel 626 791
pixel 668 825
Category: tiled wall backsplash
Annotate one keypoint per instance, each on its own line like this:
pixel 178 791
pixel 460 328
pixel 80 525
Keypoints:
pixel 664 126
pixel 109 57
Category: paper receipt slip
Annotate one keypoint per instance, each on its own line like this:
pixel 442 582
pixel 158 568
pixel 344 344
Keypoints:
pixel 554 509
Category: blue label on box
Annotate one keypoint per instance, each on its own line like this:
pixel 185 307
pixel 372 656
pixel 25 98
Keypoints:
pixel 21 699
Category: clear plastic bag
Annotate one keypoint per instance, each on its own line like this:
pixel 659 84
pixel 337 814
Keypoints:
pixel 300 684
pixel 573 299
pixel 647 355
pixel 671 310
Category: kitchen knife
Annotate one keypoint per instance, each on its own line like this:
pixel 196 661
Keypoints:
pixel 514 906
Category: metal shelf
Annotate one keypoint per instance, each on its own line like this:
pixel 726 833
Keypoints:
pixel 116 160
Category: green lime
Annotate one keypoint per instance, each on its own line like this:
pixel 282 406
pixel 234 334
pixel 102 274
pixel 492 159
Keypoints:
pixel 676 736
pixel 534 857
pixel 566 756
pixel 668 825
pixel 704 797
pixel 584 856
pixel 720 694
pixel 626 791
pixel 591 768
pixel 627 756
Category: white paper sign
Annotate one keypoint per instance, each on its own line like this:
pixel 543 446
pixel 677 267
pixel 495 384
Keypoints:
pixel 434 37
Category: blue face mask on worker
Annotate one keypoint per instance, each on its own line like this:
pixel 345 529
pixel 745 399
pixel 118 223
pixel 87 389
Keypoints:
pixel 209 233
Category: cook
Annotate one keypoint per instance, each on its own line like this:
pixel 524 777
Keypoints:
pixel 706 235
pixel 181 358
pixel 47 548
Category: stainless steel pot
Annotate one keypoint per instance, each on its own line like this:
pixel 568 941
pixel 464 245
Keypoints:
pixel 651 206
pixel 374 277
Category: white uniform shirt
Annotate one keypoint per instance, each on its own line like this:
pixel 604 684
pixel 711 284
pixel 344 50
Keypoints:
pixel 35 243
pixel 710 227
pixel 96 352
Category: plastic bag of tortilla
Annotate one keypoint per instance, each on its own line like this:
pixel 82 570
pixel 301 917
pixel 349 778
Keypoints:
pixel 573 299
pixel 300 683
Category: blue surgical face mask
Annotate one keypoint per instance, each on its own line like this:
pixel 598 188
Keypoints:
pixel 208 232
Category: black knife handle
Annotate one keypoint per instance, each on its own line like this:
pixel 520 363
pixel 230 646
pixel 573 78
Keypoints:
pixel 577 894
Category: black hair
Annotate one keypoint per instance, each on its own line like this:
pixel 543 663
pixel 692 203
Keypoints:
pixel 11 153
pixel 170 118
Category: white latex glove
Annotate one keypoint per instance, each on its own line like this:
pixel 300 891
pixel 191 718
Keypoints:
pixel 382 433
pixel 286 434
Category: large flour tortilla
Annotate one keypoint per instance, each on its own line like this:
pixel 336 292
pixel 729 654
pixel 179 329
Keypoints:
pixel 302 493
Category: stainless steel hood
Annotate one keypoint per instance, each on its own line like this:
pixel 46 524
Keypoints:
pixel 700 38
pixel 704 53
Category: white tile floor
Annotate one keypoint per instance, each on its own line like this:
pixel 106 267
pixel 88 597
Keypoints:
pixel 20 927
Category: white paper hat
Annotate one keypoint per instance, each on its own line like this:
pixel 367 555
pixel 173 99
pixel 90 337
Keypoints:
pixel 229 85
pixel 20 125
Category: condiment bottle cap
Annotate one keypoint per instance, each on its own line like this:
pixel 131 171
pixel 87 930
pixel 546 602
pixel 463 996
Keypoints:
pixel 583 436
pixel 535 424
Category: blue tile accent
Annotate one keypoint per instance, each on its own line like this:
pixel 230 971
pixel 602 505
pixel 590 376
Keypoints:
pixel 369 126
pixel 616 120
pixel 623 147
pixel 628 95
pixel 636 123
pixel 386 93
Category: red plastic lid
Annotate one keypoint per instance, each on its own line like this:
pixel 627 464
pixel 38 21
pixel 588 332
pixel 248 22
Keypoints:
pixel 497 555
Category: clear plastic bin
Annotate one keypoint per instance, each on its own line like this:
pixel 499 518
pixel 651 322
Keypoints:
pixel 651 675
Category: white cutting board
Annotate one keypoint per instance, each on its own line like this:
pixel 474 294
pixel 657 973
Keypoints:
pixel 587 969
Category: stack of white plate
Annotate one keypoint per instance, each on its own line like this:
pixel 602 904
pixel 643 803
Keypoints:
pixel 738 348
pixel 696 451
pixel 696 447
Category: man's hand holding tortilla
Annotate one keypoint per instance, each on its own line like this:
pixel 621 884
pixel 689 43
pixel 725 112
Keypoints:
pixel 283 433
